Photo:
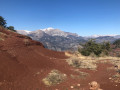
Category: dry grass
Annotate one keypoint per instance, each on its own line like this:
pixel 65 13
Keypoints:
pixel 2 35
pixel 91 57
pixel 81 75
pixel 116 78
pixel 2 28
pixel 26 42
pixel 110 68
pixel 89 62
pixel 116 62
pixel 54 77
pixel 1 39
pixel 81 63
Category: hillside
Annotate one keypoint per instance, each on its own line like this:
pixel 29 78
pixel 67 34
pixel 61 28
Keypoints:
pixel 20 60
pixel 26 65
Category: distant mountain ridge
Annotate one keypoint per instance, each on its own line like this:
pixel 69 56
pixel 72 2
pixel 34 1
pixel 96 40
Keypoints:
pixel 55 39
pixel 49 31
pixel 24 32
pixel 58 40
pixel 96 36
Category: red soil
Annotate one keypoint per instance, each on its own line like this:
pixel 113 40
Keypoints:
pixel 20 63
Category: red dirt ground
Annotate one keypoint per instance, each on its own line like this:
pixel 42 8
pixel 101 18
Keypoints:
pixel 20 63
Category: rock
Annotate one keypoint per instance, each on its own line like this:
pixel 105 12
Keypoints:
pixel 94 86
pixel 78 85
pixel 71 87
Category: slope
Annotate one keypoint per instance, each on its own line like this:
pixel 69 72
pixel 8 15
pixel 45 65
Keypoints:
pixel 24 64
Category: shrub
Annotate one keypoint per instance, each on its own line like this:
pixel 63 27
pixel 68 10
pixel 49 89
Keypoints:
pixel 117 43
pixel 91 47
pixel 26 42
pixel 82 63
pixel 2 21
pixel 1 39
pixel 11 28
pixel 54 77
pixel 81 75
pixel 4 24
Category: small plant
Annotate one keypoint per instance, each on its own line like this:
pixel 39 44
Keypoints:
pixel 26 42
pixel 82 75
pixel 93 55
pixel 54 77
pixel 117 43
pixel 11 28
pixel 1 39
pixel 76 63
pixel 116 78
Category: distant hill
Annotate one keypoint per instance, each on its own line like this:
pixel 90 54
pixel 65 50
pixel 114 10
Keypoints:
pixel 105 39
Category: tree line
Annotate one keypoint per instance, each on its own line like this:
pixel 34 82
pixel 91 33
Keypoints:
pixel 98 49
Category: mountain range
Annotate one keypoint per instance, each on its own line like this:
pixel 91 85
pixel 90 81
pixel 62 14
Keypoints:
pixel 59 40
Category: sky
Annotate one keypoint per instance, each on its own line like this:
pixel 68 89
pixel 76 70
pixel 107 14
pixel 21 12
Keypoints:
pixel 84 17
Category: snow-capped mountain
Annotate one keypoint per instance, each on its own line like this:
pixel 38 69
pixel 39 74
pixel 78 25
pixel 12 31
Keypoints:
pixel 24 32
pixel 57 32
pixel 56 39
pixel 50 31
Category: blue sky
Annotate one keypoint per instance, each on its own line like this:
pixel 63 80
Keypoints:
pixel 85 17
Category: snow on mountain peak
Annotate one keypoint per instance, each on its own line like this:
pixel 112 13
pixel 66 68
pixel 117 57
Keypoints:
pixel 24 32
pixel 48 29
pixel 27 31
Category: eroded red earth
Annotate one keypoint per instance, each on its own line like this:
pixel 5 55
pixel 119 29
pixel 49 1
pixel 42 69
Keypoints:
pixel 24 63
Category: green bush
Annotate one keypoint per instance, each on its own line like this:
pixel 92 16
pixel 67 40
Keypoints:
pixel 11 28
pixel 2 22
pixel 92 47
pixel 117 43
